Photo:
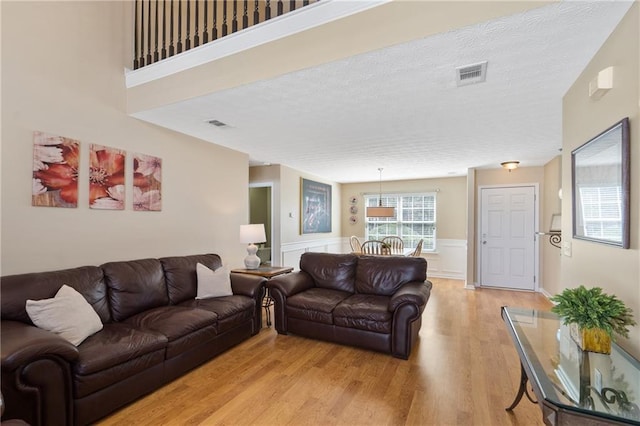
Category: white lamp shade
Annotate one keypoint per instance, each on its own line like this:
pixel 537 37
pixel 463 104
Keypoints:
pixel 252 233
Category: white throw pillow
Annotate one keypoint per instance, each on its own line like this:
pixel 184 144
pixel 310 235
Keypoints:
pixel 213 283
pixel 67 314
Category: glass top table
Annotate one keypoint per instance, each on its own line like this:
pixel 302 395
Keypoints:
pixel 571 385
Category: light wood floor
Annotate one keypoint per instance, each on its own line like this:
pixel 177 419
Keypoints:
pixel 464 371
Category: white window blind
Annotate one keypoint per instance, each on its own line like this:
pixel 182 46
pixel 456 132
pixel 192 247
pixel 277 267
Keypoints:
pixel 601 209
pixel 415 219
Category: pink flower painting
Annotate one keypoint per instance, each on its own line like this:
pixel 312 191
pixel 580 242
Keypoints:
pixel 147 183
pixel 55 171
pixel 106 178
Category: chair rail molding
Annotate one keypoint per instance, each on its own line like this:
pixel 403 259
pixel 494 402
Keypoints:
pixel 449 261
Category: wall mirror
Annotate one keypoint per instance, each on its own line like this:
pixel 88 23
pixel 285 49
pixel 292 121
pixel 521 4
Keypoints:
pixel 600 172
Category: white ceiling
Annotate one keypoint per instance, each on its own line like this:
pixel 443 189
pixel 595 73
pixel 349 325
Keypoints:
pixel 399 108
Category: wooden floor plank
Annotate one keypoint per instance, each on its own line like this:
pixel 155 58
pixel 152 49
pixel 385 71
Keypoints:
pixel 463 371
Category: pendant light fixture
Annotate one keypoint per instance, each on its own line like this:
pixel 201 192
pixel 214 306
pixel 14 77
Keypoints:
pixel 380 211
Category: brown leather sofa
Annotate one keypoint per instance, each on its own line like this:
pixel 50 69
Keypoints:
pixel 154 330
pixel 373 302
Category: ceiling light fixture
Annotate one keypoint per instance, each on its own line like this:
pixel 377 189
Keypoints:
pixel 380 211
pixel 510 165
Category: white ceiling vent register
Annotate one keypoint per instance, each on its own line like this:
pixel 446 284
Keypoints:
pixel 471 74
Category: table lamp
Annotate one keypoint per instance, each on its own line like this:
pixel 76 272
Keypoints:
pixel 251 234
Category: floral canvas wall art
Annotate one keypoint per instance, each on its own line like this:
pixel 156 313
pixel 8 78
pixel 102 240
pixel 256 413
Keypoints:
pixel 147 183
pixel 106 178
pixel 55 171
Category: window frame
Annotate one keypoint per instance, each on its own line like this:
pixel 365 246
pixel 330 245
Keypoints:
pixel 371 200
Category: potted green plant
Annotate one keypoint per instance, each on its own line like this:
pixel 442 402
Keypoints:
pixel 594 317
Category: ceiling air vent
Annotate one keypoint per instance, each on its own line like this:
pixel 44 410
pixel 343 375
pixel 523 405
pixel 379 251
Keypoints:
pixel 217 123
pixel 471 74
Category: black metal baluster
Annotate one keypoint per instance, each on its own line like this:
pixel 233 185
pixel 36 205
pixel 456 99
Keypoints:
pixel 256 13
pixel 214 35
pixel 188 34
pixel 205 33
pixel 142 33
pixel 280 8
pixel 179 27
pixel 196 36
pixel 171 48
pixel 267 10
pixel 164 29
pixel 156 56
pixel 234 21
pixel 224 18
pixel 245 15
pixel 136 64
pixel 292 5
pixel 149 32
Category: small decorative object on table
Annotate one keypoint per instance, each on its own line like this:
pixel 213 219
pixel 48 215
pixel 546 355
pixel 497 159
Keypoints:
pixel 593 317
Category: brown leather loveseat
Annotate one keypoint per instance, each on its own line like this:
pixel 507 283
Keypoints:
pixel 373 302
pixel 154 330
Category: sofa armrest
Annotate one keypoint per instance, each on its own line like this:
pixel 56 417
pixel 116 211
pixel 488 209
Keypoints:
pixel 22 343
pixel 247 285
pixel 36 374
pixel 292 283
pixel 414 292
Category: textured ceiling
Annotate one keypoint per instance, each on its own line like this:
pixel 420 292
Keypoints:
pixel 399 107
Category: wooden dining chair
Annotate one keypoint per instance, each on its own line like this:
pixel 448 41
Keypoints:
pixel 396 245
pixel 356 246
pixel 375 247
pixel 418 251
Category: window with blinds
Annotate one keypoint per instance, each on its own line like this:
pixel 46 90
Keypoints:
pixel 415 219
pixel 601 208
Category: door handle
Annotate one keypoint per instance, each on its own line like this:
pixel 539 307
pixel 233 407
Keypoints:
pixel 484 242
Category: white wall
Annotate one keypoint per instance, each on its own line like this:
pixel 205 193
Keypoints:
pixel 63 73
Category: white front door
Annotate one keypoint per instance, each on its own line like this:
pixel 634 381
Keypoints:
pixel 507 237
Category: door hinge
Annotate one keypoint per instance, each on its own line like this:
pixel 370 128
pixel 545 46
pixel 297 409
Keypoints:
pixel 534 278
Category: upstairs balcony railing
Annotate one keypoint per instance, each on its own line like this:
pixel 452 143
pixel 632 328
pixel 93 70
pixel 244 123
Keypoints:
pixel 166 28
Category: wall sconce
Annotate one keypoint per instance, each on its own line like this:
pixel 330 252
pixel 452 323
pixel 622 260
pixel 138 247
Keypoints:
pixel 380 211
pixel 251 234
pixel 600 85
pixel 510 165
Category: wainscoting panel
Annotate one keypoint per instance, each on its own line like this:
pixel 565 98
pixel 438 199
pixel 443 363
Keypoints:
pixel 449 261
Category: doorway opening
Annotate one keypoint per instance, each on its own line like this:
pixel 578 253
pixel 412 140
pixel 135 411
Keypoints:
pixel 260 211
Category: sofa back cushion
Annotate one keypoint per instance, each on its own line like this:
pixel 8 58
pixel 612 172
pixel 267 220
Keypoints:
pixel 87 280
pixel 384 275
pixel 332 271
pixel 135 286
pixel 180 274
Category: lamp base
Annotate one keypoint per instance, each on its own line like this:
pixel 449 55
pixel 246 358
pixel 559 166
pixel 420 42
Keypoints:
pixel 252 261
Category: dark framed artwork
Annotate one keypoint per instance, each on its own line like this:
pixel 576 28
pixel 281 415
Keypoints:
pixel 600 171
pixel 315 207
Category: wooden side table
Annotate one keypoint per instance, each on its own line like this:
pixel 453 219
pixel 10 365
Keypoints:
pixel 268 272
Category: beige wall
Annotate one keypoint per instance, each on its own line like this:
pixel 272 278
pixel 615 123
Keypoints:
pixel 286 205
pixel 62 73
pixel 616 270
pixel 451 203
pixel 550 260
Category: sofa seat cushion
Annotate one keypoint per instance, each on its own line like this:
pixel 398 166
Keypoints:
pixel 231 310
pixel 114 353
pixel 315 304
pixel 185 328
pixel 364 312
pixel 113 345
